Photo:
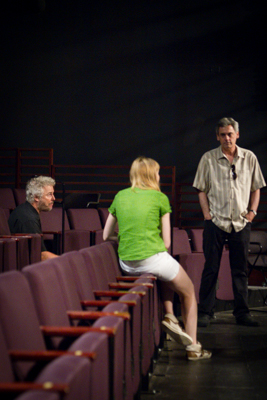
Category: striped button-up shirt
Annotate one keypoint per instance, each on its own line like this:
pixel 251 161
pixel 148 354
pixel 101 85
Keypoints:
pixel 228 197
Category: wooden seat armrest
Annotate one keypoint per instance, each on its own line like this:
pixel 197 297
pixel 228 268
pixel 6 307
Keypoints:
pixel 68 331
pixel 129 303
pixel 8 237
pixel 52 232
pixel 104 303
pixel 107 293
pixel 20 387
pixel 134 278
pixel 46 355
pixel 96 303
pixel 97 314
pixel 126 285
pixel 27 235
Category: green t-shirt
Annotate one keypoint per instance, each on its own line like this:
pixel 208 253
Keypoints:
pixel 139 213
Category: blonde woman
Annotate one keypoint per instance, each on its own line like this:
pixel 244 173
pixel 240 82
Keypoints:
pixel 143 216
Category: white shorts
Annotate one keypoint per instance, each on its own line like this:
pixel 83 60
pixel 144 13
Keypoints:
pixel 162 265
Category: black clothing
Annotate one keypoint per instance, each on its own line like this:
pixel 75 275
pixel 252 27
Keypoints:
pixel 25 219
pixel 213 242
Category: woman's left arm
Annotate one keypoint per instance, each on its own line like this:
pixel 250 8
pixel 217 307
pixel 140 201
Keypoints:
pixel 109 229
pixel 166 230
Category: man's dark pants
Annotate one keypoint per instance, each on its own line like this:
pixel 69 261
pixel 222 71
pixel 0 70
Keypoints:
pixel 213 242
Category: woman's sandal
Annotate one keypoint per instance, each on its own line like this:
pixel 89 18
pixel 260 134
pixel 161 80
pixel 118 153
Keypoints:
pixel 195 352
pixel 171 326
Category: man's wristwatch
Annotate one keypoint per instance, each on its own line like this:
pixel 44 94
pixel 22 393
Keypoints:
pixel 254 212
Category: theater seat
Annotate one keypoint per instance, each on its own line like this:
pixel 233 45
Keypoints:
pixel 8 254
pixel 52 309
pixel 65 374
pixel 19 195
pixel 87 219
pixel 192 262
pixel 51 223
pixel 22 331
pixel 7 199
pixel 28 246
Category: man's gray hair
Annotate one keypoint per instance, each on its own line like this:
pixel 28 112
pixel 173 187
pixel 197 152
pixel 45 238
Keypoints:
pixel 34 187
pixel 225 122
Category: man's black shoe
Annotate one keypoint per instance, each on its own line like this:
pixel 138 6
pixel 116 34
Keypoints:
pixel 246 320
pixel 203 320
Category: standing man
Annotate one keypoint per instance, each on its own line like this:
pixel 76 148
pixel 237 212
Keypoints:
pixel 228 180
pixel 26 217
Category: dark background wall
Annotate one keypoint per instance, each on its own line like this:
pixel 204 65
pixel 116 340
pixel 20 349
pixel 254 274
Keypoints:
pixel 103 82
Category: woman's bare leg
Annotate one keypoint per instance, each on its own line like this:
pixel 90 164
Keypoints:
pixel 184 287
pixel 167 297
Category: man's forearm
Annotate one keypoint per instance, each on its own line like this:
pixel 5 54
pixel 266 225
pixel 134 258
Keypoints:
pixel 204 204
pixel 253 204
pixel 254 200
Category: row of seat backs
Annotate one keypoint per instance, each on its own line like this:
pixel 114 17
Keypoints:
pixel 67 372
pixel 26 335
pixel 48 295
pixel 17 251
pixel 89 220
pixel 11 198
pixel 87 223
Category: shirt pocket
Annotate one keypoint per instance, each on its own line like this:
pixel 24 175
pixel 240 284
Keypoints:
pixel 244 176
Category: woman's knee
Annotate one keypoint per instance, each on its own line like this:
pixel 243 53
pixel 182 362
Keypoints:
pixel 182 284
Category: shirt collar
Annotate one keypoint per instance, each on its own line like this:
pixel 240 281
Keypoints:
pixel 220 154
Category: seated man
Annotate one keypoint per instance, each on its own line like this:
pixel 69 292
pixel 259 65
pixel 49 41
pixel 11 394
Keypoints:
pixel 25 218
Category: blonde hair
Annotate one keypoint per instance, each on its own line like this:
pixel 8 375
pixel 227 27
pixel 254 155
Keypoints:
pixel 144 174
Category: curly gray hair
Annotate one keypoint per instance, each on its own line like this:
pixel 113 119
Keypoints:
pixel 34 187
pixel 225 122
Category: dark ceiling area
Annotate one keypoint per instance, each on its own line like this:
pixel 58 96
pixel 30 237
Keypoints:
pixel 103 82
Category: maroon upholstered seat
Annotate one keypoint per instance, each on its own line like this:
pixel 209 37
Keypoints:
pixel 76 286
pixel 7 199
pixel 19 195
pixel 103 213
pixel 21 328
pixel 8 254
pixel 100 273
pixel 24 248
pixel 70 372
pixel 87 219
pixel 52 229
pixel 52 300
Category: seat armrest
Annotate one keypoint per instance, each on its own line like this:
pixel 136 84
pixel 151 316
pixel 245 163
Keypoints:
pixel 107 293
pixel 134 278
pixel 46 355
pixel 20 387
pixel 104 303
pixel 127 285
pixel 71 331
pixel 93 315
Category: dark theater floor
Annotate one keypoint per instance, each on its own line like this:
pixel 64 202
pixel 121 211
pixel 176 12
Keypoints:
pixel 237 370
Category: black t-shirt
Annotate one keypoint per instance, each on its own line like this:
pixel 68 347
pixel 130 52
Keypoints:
pixel 25 219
